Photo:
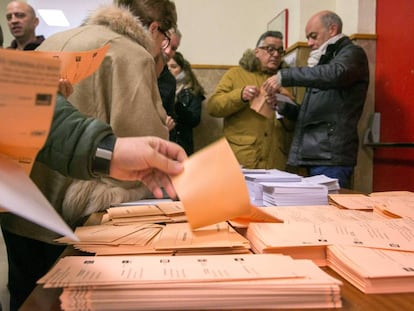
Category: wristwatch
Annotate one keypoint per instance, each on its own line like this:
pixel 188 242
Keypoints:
pixel 101 162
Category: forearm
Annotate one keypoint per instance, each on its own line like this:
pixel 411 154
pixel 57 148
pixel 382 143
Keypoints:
pixel 72 142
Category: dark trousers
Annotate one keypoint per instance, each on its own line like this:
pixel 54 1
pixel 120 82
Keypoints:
pixel 28 261
pixel 342 173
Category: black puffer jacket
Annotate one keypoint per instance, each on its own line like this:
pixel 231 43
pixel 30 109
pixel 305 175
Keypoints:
pixel 326 128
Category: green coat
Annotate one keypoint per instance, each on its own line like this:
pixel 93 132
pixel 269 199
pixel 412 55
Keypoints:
pixel 256 141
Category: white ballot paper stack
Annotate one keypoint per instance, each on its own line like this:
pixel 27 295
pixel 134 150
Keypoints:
pixel 255 188
pixel 294 193
pixel 192 282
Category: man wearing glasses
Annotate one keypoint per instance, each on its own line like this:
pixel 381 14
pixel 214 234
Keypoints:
pixel 257 141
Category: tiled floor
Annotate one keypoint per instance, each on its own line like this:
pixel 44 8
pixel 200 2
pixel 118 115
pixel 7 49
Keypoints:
pixel 4 294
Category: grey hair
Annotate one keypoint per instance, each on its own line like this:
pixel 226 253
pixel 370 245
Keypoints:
pixel 331 18
pixel 269 33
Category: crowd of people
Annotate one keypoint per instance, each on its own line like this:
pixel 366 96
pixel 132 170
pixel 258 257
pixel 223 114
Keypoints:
pixel 144 101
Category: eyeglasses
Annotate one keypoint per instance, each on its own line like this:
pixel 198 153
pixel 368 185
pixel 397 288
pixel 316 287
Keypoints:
pixel 271 50
pixel 166 42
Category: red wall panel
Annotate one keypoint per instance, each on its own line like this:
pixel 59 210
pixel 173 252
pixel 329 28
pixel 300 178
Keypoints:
pixel 394 94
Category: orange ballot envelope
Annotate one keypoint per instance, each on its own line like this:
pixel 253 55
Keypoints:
pixel 76 66
pixel 212 187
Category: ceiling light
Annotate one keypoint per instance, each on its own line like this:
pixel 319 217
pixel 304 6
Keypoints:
pixel 54 17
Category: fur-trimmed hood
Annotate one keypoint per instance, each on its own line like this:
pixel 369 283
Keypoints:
pixel 122 21
pixel 250 63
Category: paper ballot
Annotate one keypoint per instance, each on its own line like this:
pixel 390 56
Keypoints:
pixel 28 87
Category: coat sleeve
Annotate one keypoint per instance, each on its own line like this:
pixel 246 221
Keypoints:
pixel 226 99
pixel 343 71
pixel 72 141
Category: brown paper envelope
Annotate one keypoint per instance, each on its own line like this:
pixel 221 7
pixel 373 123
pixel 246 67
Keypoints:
pixel 259 105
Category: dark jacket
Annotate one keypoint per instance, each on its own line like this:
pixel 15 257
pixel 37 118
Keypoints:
pixel 326 128
pixel 30 46
pixel 187 116
pixel 167 86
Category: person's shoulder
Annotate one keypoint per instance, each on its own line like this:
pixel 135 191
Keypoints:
pixel 235 70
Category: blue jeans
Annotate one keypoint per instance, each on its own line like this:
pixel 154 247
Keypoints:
pixel 342 173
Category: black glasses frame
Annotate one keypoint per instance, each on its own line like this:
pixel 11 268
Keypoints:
pixel 167 38
pixel 271 50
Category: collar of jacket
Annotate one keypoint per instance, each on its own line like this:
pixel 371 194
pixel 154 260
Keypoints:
pixel 122 21
pixel 332 49
pixel 29 46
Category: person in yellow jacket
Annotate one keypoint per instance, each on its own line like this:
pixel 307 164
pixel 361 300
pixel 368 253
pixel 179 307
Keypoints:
pixel 257 141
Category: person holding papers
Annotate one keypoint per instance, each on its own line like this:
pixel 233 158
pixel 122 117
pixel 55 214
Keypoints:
pixel 123 92
pixel 83 148
pixel 336 80
pixel 148 159
pixel 258 141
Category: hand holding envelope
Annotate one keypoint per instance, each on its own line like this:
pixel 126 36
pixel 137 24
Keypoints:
pixel 212 188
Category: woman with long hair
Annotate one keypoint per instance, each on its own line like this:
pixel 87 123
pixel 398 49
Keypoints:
pixel 189 97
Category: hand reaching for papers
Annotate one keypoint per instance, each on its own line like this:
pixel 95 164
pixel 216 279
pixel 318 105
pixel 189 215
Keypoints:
pixel 148 159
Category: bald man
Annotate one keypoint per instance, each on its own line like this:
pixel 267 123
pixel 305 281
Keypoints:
pixel 336 80
pixel 22 22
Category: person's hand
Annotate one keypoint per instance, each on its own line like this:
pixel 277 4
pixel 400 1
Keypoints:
pixel 170 123
pixel 249 92
pixel 148 159
pixel 286 92
pixel 271 98
pixel 272 85
pixel 65 87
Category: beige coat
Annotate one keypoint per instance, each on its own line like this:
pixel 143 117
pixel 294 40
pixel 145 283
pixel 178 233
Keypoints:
pixel 123 92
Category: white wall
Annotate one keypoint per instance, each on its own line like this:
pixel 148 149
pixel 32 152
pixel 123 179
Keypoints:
pixel 217 32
